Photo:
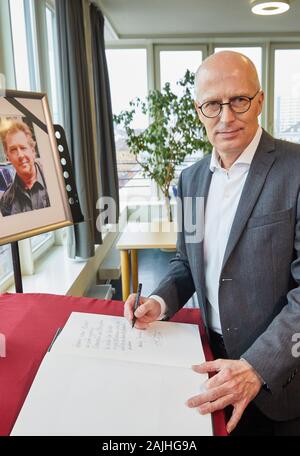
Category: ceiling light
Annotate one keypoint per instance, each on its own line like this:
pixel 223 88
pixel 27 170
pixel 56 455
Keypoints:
pixel 266 8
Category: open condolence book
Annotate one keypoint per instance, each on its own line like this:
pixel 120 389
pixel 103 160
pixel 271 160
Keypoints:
pixel 101 377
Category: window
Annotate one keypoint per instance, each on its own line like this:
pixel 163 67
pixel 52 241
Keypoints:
pixel 37 241
pixel 21 57
pixel 6 266
pixel 128 80
pixel 287 94
pixel 175 63
pixel 27 76
pixel 24 44
pixel 53 63
pixel 41 243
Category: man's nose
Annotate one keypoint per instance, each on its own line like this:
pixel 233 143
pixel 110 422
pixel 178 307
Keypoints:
pixel 227 115
pixel 20 152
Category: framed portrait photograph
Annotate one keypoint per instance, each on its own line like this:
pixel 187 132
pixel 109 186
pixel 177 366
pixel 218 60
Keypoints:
pixel 33 195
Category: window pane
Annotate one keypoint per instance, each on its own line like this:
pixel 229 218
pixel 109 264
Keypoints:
pixel 128 80
pixel 6 266
pixel 254 54
pixel 287 94
pixel 52 64
pixel 18 25
pixel 174 64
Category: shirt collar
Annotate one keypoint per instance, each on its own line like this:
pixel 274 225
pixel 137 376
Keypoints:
pixel 246 156
pixel 39 179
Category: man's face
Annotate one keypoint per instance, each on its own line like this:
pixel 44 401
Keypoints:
pixel 229 132
pixel 21 154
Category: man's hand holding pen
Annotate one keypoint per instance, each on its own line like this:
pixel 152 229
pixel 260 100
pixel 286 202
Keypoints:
pixel 148 311
pixel 136 303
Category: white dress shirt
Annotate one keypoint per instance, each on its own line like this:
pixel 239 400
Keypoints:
pixel 223 197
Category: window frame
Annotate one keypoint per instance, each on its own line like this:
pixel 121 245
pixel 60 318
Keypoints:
pixel 27 24
pixel 43 246
pixel 267 42
pixel 158 48
pixel 39 13
pixel 31 39
pixel 6 281
pixel 50 4
pixel 271 99
pixel 37 51
pixel 150 86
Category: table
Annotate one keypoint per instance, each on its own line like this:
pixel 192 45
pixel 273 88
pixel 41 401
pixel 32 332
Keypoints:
pixel 154 235
pixel 30 322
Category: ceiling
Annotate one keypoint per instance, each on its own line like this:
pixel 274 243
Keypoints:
pixel 192 18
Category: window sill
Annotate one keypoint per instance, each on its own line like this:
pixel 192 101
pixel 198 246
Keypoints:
pixel 54 273
pixel 58 274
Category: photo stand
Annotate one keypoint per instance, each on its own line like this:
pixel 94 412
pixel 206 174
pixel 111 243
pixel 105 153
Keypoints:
pixel 16 266
pixel 68 174
pixel 73 199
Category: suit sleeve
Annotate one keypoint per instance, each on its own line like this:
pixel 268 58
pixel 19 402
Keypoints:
pixel 273 355
pixel 177 286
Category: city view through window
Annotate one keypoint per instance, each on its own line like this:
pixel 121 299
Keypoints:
pixel 128 80
pixel 287 95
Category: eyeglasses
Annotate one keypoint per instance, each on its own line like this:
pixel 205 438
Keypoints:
pixel 239 105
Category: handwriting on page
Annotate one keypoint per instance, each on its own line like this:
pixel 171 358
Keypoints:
pixel 116 336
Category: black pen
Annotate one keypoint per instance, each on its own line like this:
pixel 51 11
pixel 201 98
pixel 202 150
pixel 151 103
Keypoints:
pixel 137 303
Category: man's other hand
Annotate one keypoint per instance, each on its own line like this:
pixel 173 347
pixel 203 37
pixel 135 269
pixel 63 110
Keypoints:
pixel 235 383
pixel 148 311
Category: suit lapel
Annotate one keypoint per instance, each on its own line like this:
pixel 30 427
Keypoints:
pixel 203 190
pixel 205 183
pixel 260 166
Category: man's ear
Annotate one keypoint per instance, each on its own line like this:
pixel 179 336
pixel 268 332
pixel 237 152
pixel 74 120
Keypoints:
pixel 199 112
pixel 261 98
pixel 197 109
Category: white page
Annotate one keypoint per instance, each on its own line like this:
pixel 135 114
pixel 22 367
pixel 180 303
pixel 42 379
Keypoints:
pixel 175 344
pixel 74 395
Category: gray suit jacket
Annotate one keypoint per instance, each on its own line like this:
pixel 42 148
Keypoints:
pixel 260 305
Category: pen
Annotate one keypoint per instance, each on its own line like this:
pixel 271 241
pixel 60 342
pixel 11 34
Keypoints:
pixel 137 303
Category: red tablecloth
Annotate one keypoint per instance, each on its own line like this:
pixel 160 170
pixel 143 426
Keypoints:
pixel 30 321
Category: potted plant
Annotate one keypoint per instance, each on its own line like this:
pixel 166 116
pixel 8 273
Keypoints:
pixel 174 132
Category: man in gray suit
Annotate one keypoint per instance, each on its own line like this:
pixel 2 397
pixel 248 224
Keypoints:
pixel 246 269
